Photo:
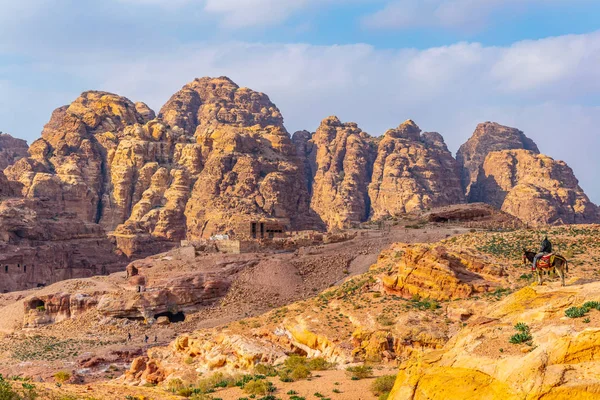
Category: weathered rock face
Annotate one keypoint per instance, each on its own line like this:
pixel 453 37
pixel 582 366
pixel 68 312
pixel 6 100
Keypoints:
pixel 342 157
pixel 250 167
pixel 11 150
pixel 534 188
pixel 436 273
pixel 40 245
pixel 413 172
pixel 561 362
pixel 488 137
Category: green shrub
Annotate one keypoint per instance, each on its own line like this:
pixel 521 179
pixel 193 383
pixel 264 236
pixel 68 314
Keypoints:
pixel 383 396
pixel 592 305
pixel 6 391
pixel 185 392
pixel 300 372
pixel 62 376
pixel 260 387
pixel 174 385
pixel 576 312
pixel 360 372
pixel 318 364
pixel 520 337
pixel 294 360
pixel 265 369
pixel 522 327
pixel 383 384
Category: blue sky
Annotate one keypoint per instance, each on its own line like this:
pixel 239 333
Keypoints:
pixel 447 64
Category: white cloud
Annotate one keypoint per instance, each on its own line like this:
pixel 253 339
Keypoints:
pixel 464 14
pixel 543 87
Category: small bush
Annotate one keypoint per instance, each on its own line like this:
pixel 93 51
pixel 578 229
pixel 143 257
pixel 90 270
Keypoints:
pixel 522 327
pixel 360 372
pixel 185 392
pixel 6 391
pixel 520 337
pixel 260 387
pixel 592 305
pixel 383 396
pixel 62 376
pixel 300 372
pixel 294 360
pixel 318 364
pixel 576 312
pixel 383 384
pixel 265 369
pixel 174 385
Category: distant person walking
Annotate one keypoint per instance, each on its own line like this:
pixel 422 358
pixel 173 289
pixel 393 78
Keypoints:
pixel 155 338
pixel 129 337
pixel 146 338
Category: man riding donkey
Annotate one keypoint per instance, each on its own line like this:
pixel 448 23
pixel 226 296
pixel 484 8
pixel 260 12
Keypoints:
pixel 545 260
pixel 545 249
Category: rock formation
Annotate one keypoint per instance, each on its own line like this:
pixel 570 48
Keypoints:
pixel 40 245
pixel 533 187
pixel 250 170
pixel 413 172
pixel 437 273
pixel 561 361
pixel 11 150
pixel 342 157
pixel 488 137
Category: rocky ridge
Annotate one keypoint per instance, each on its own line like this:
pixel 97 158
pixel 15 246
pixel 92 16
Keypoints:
pixel 217 158
pixel 534 188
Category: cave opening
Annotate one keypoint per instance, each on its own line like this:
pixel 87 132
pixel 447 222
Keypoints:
pixel 37 304
pixel 173 317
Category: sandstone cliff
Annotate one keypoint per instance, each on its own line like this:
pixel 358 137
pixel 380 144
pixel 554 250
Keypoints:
pixel 560 361
pixel 488 137
pixel 342 157
pixel 250 170
pixel 413 172
pixel 533 187
pixel 11 150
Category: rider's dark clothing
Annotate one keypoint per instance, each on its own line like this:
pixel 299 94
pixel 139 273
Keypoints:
pixel 546 246
pixel 545 249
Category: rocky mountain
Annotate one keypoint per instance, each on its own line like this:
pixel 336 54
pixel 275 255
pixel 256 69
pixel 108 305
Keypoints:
pixel 533 187
pixel 11 150
pixel 342 156
pixel 413 171
pixel 217 158
pixel 488 137
pixel 354 177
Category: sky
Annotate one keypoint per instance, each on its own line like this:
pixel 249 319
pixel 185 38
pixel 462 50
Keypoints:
pixel 446 64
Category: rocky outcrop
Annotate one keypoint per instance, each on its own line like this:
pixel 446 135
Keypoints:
pixel 488 137
pixel 341 156
pixel 425 271
pixel 250 168
pixel 170 297
pixel 40 245
pixel 561 360
pixel 49 309
pixel 413 172
pixel 11 150
pixel 533 187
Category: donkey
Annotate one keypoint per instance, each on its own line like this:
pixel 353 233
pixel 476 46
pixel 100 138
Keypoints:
pixel 557 263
